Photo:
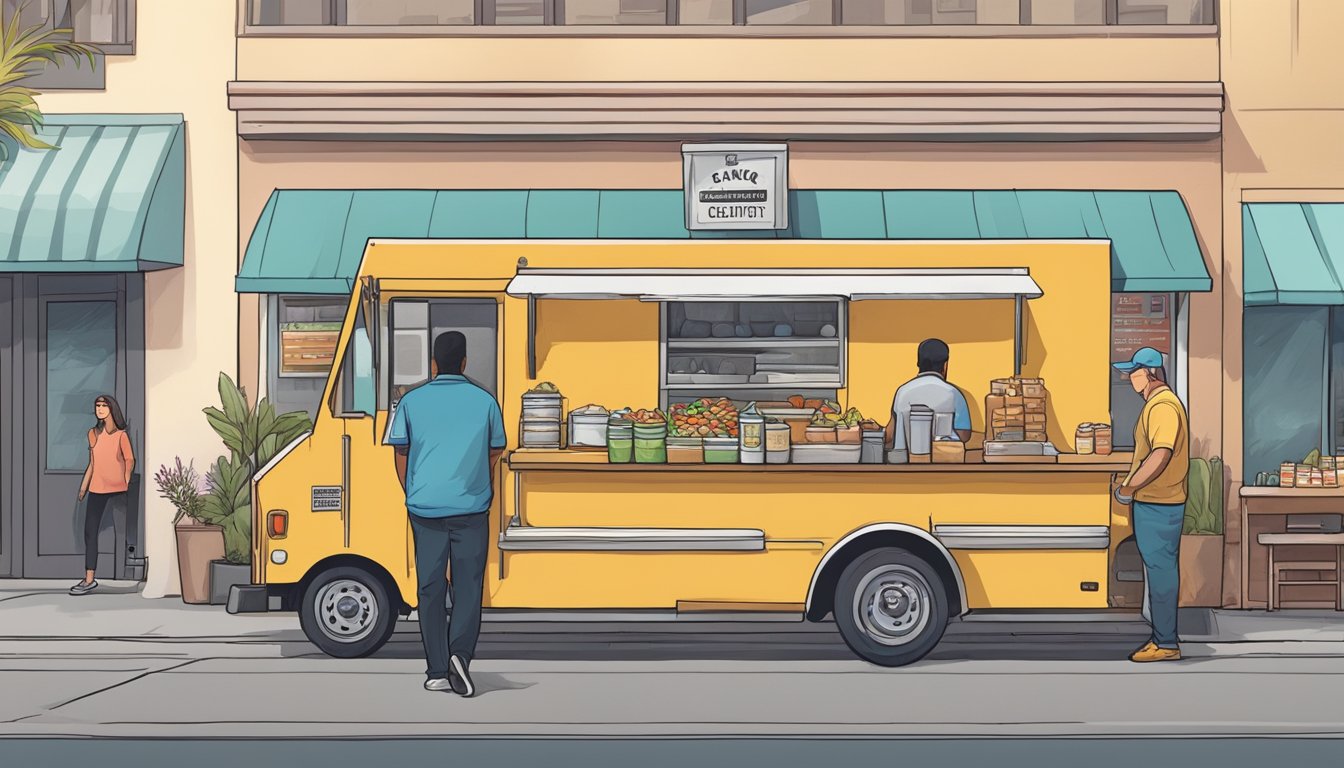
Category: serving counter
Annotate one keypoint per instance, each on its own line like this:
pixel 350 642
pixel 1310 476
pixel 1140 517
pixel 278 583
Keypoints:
pixel 1266 510
pixel 530 460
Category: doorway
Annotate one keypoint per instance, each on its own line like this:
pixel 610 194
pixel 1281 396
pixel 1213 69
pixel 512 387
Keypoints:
pixel 72 338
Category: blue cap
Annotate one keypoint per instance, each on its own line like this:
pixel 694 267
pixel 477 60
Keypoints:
pixel 1146 357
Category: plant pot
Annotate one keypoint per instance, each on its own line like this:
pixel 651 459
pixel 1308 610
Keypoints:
pixel 197 545
pixel 223 575
pixel 1201 571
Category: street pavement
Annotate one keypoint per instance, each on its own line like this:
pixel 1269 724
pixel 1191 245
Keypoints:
pixel 115 665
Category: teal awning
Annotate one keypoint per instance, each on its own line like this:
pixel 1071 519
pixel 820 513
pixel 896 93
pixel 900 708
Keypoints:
pixel 1293 253
pixel 111 199
pixel 311 241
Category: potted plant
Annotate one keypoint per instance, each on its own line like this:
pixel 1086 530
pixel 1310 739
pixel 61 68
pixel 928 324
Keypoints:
pixel 1202 535
pixel 253 436
pixel 198 541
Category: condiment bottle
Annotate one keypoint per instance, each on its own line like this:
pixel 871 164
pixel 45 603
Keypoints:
pixel 1101 439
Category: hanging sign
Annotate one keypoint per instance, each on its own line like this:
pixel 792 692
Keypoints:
pixel 736 186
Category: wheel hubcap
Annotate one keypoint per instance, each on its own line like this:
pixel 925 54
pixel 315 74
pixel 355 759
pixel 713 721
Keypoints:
pixel 347 610
pixel 892 604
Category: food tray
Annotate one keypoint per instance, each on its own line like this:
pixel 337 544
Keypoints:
pixel 819 453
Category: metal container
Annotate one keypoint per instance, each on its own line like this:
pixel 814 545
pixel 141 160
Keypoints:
pixel 920 441
pixel 942 425
pixel 819 453
pixel 873 447
pixel 540 434
pixel 537 407
pixel 777 443
pixel 751 436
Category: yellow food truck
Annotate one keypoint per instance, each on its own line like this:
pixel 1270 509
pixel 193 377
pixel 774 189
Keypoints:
pixel 892 552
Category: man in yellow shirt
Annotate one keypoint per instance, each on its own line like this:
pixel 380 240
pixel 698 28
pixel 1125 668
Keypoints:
pixel 1155 487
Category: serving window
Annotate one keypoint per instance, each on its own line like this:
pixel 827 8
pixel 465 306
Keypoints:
pixel 745 349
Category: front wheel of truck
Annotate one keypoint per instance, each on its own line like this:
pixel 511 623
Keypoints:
pixel 891 607
pixel 347 613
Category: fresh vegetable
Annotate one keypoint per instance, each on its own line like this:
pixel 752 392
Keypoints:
pixel 645 416
pixel 706 417
pixel 796 401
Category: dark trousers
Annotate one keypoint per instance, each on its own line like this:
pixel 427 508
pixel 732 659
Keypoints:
pixel 464 541
pixel 93 520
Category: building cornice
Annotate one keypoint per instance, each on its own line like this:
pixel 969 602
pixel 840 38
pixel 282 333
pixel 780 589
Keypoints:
pixel 1038 111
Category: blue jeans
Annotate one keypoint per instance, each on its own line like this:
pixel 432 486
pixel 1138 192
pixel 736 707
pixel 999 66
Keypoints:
pixel 1157 531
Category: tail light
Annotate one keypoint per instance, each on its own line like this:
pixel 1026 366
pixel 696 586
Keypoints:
pixel 277 523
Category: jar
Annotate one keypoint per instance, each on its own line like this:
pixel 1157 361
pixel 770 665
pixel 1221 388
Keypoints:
pixel 1084 439
pixel 651 443
pixel 777 440
pixel 1101 439
pixel 620 441
pixel 1287 474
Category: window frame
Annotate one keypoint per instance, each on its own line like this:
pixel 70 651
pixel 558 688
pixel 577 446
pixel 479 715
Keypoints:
pixel 554 9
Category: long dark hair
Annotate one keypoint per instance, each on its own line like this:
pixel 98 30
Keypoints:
pixel 115 410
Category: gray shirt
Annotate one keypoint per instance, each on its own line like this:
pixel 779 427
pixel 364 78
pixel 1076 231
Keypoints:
pixel 929 389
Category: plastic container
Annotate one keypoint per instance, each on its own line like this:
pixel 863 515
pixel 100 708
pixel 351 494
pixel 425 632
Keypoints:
pixel 650 443
pixel 721 450
pixel 751 436
pixel 820 435
pixel 587 430
pixel 685 450
pixel 1101 439
pixel 777 442
pixel 537 407
pixel 540 434
pixel 1084 440
pixel 620 440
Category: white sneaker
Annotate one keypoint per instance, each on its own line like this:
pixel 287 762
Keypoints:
pixel 438 684
pixel 84 588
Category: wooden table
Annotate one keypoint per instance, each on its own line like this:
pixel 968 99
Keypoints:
pixel 1268 502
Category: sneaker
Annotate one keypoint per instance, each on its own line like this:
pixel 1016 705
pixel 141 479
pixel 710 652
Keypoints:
pixel 459 676
pixel 84 588
pixel 438 684
pixel 1151 652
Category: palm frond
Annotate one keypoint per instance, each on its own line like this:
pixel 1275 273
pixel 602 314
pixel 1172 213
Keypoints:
pixel 25 52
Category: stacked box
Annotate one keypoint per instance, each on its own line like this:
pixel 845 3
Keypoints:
pixel 1015 410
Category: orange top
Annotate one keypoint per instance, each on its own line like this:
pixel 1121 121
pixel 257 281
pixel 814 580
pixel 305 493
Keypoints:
pixel 109 455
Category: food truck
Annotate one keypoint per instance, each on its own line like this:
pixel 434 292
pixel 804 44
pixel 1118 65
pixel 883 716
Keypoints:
pixel 703 333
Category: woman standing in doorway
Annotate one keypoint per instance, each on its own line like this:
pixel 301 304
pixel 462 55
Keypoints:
pixel 107 477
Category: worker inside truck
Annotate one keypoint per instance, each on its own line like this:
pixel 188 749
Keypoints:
pixel 931 389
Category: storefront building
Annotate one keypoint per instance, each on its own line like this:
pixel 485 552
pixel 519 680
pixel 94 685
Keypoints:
pixel 963 132
pixel 109 247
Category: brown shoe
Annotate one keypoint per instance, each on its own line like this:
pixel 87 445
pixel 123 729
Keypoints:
pixel 1151 652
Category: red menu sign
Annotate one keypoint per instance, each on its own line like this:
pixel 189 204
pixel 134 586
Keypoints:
pixel 1141 320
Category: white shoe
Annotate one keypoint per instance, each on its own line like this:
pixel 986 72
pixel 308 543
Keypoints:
pixel 84 588
pixel 438 684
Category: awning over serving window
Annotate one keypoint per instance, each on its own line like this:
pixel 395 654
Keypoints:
pixel 725 284
pixel 111 199
pixel 1293 253
pixel 311 241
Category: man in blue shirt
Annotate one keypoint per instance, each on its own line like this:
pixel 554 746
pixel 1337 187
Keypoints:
pixel 449 434
pixel 930 389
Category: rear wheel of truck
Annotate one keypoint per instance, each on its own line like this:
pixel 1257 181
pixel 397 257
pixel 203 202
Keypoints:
pixel 891 607
pixel 347 613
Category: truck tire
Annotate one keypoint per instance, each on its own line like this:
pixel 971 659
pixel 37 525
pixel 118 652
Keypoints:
pixel 347 613
pixel 891 607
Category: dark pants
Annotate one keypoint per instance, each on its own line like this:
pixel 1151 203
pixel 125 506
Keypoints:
pixel 463 540
pixel 1157 531
pixel 93 520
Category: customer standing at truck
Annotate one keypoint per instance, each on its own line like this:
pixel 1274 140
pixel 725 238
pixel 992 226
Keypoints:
pixel 449 434
pixel 1155 487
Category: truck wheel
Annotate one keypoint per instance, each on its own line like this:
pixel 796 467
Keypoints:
pixel 346 612
pixel 891 607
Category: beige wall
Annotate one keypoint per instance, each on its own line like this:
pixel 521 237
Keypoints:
pixel 1284 133
pixel 184 57
pixel 609 58
pixel 1190 168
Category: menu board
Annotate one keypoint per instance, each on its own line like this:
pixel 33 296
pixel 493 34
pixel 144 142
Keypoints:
pixel 1141 320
